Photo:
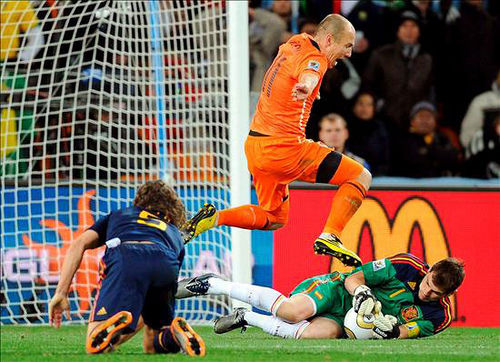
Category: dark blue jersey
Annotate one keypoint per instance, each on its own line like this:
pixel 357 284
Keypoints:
pixel 136 224
pixel 411 270
pixel 395 281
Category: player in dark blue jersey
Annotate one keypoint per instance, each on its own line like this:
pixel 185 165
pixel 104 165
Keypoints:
pixel 138 276
pixel 410 300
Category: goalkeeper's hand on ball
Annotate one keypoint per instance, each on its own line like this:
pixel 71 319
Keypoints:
pixel 364 301
pixel 385 327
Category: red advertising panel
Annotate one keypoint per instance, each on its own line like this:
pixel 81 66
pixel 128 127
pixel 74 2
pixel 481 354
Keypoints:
pixel 430 224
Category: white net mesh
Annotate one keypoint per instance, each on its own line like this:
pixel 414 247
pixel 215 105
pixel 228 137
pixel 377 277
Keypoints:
pixel 97 97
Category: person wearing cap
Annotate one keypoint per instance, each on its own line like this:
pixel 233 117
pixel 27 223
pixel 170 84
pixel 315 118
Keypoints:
pixel 400 74
pixel 424 151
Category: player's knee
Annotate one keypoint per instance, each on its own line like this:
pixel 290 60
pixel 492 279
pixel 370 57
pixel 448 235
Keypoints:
pixel 332 334
pixel 297 316
pixel 365 178
pixel 278 218
pixel 282 219
pixel 292 312
pixel 311 332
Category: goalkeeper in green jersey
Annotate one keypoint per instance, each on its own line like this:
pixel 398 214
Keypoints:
pixel 401 286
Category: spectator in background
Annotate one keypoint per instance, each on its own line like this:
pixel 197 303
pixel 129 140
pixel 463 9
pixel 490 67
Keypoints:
pixel 447 14
pixel 333 133
pixel 400 74
pixel 480 106
pixel 339 86
pixel 368 136
pixel 193 155
pixel 283 9
pixel 17 17
pixel 112 76
pixel 206 42
pixel 52 146
pixel 318 9
pixel 108 146
pixel 265 33
pixel 308 26
pixel 470 60
pixel 21 40
pixel 368 18
pixel 431 36
pixel 483 152
pixel 424 151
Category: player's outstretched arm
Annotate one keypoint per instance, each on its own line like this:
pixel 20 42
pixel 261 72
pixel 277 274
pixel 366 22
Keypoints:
pixel 59 303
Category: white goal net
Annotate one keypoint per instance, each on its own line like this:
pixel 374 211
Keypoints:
pixel 97 97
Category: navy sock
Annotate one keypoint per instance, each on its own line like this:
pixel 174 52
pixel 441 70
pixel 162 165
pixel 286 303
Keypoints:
pixel 164 342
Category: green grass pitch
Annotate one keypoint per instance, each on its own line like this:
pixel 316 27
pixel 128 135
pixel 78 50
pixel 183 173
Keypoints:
pixel 67 344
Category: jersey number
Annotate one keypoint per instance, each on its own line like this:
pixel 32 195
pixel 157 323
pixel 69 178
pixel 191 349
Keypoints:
pixel 149 219
pixel 271 73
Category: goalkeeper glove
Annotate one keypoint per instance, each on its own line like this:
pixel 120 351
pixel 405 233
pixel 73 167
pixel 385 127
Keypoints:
pixel 385 327
pixel 364 300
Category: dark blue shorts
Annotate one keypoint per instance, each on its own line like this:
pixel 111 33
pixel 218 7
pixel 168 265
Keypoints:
pixel 141 279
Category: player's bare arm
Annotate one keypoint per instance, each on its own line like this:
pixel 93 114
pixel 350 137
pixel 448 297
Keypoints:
pixel 59 303
pixel 364 302
pixel 353 281
pixel 305 86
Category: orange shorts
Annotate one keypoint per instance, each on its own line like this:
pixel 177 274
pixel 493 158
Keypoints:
pixel 275 162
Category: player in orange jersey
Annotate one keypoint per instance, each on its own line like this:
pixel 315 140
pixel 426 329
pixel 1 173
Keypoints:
pixel 278 153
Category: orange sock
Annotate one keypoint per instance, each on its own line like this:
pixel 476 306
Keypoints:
pixel 346 202
pixel 246 217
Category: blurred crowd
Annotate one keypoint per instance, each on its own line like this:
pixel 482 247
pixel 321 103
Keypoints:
pixel 420 95
pixel 81 90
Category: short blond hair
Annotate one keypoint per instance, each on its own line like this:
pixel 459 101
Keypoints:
pixel 334 24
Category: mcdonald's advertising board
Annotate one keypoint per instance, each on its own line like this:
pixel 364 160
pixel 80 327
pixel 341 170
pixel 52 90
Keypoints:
pixel 429 224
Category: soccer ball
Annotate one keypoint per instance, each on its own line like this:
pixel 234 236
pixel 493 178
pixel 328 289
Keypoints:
pixel 358 327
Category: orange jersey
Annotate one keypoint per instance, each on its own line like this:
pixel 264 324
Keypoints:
pixel 277 113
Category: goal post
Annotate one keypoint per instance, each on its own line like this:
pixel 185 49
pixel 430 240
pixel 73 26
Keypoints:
pixel 109 95
pixel 239 112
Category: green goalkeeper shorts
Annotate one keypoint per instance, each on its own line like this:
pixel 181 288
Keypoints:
pixel 327 291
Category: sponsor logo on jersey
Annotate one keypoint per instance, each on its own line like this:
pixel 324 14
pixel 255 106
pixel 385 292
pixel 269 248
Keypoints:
pixel 410 313
pixel 313 64
pixel 102 311
pixel 378 264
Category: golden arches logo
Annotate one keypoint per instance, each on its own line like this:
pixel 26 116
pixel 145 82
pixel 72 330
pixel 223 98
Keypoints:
pixel 391 236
